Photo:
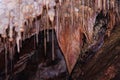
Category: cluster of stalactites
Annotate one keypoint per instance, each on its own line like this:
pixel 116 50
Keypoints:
pixel 15 13
pixel 104 4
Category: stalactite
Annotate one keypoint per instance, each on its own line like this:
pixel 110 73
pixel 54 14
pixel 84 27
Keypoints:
pixel 24 36
pixel 99 4
pixel 108 4
pixel 10 51
pixel 17 29
pixel 31 22
pixel 21 26
pixel 10 57
pixel 35 42
pixel 83 15
pixel 6 60
pixel 46 2
pixel 83 21
pixel 52 4
pixel 29 25
pixel 36 13
pixel 31 16
pixel 45 39
pixel 53 53
pixel 60 2
pixel 57 19
pixel 88 18
pixel 18 38
pixel 77 15
pixel 10 25
pixel 104 5
pixel 25 15
pixel 37 30
pixel 47 24
pixel 18 47
pixel 51 14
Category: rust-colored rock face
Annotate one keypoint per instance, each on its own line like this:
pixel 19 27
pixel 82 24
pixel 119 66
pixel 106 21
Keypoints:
pixel 74 25
pixel 70 44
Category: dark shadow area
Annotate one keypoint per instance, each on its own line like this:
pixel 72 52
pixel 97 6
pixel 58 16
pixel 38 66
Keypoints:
pixel 33 64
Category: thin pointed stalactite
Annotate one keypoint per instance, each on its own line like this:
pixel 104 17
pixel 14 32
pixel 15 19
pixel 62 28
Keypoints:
pixel 18 38
pixel 47 24
pixel 45 40
pixel 57 19
pixel 11 32
pixel 100 4
pixel 29 26
pixel 104 5
pixel 10 26
pixel 18 33
pixel 6 61
pixel 51 14
pixel 21 43
pixel 24 35
pixel 10 41
pixel 11 58
pixel 53 47
pixel 37 30
pixel 31 22
pixel 83 16
pixel 35 42
pixel 24 32
pixel 108 4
